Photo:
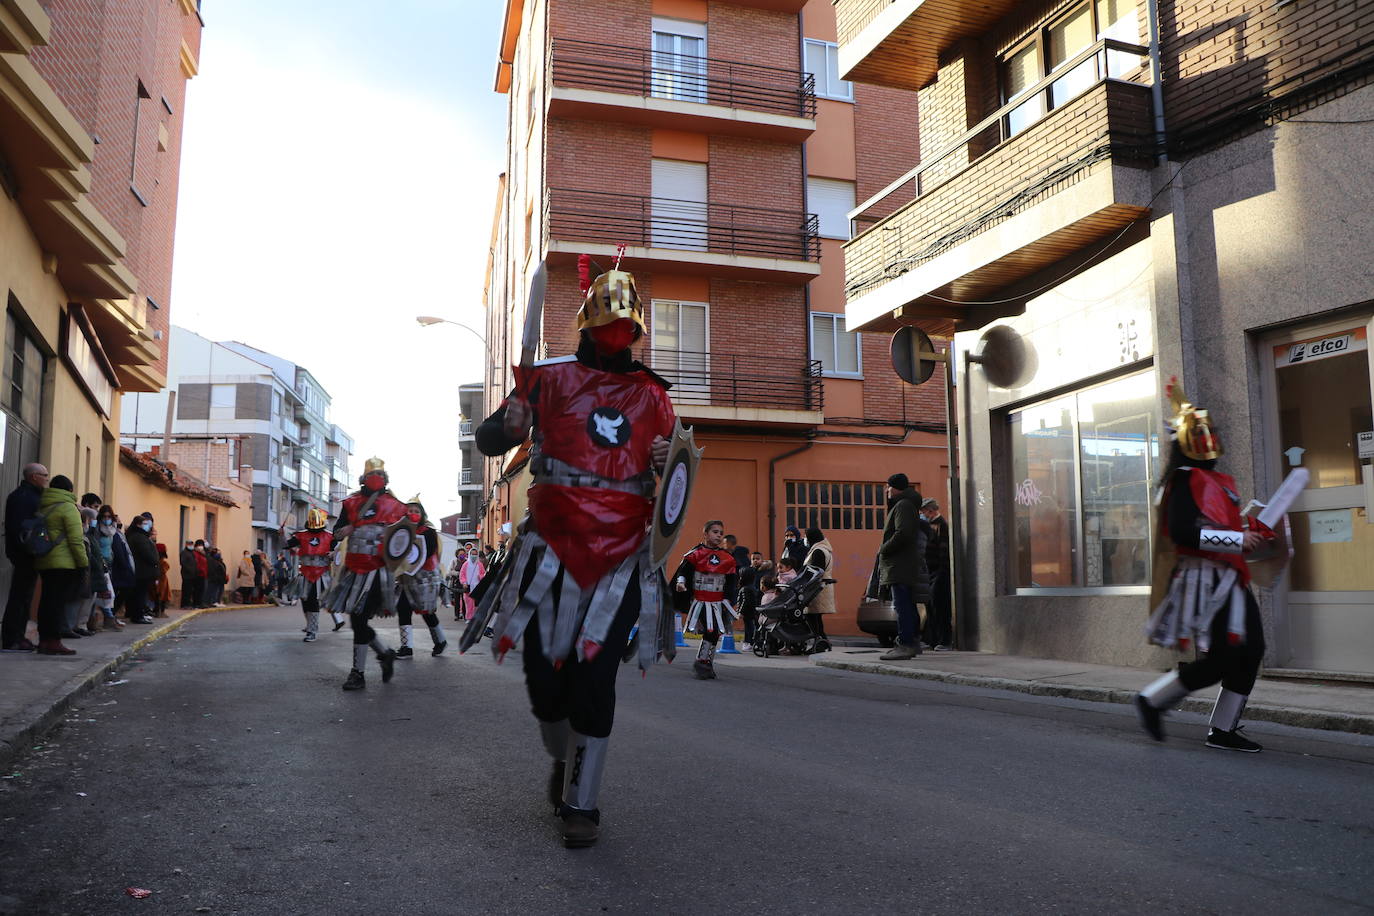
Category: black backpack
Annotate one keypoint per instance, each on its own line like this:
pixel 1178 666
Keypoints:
pixel 34 537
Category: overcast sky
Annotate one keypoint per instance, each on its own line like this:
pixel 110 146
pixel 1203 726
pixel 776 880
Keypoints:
pixel 338 176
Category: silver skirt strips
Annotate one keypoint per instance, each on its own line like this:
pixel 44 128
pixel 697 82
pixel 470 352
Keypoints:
pixel 422 590
pixel 301 587
pixel 1200 589
pixel 578 623
pixel 349 594
pixel 711 615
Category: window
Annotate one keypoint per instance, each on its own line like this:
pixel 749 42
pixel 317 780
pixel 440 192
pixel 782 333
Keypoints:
pixel 223 402
pixel 823 62
pixel 831 506
pixel 141 94
pixel 1082 471
pixel 679 60
pixel 680 342
pixel 837 348
pixel 831 201
pixel 679 204
pixel 24 370
pixel 1051 49
pixel 211 526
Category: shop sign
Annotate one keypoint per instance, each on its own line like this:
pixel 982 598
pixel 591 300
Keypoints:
pixel 1364 442
pixel 1306 351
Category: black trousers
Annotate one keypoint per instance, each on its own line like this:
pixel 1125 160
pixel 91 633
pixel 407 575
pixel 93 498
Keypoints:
pixel 59 587
pixel 938 630
pixel 16 620
pixel 583 692
pixel 362 629
pixel 404 615
pixel 1234 667
pixel 310 600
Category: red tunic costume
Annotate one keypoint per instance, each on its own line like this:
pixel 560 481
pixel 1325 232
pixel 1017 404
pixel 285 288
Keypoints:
pixel 313 547
pixel 365 540
pixel 706 571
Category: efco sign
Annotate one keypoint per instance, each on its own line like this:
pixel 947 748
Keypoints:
pixel 1306 351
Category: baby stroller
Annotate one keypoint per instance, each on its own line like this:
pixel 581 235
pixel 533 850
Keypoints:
pixel 783 624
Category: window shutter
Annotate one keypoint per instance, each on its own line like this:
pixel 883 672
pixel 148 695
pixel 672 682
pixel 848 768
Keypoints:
pixel 831 200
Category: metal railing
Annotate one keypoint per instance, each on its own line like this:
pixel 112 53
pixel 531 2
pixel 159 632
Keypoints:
pixel 465 427
pixel 683 78
pixel 1107 58
pixel 729 380
pixel 465 477
pixel 609 217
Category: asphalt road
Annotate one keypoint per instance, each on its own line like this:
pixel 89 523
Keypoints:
pixel 230 774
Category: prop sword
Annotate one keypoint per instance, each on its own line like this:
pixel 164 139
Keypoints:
pixel 534 323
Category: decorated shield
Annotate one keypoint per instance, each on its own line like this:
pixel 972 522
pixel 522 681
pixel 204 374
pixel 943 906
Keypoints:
pixel 336 563
pixel 414 559
pixel 674 491
pixel 1268 561
pixel 397 541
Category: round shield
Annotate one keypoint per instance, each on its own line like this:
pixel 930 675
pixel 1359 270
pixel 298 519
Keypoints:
pixel 397 542
pixel 415 557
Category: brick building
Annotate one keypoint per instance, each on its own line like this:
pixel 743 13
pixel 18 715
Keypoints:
pixel 1137 191
pixel 715 141
pixel 91 99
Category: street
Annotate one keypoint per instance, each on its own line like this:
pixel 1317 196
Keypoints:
pixel 230 774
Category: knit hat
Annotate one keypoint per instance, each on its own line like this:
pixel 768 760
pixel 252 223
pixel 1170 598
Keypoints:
pixel 929 503
pixel 898 482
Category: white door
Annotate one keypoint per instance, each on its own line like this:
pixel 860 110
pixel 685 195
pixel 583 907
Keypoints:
pixel 1319 401
pixel 679 58
pixel 679 204
pixel 680 338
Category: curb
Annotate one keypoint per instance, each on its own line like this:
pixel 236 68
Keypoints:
pixel 1283 715
pixel 23 739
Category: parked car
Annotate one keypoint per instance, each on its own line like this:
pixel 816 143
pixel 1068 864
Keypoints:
pixel 878 618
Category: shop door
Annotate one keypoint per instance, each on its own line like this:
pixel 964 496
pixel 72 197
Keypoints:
pixel 1321 419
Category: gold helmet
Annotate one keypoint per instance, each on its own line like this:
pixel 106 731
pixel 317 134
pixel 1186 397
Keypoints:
pixel 610 297
pixel 1192 426
pixel 374 464
pixel 316 518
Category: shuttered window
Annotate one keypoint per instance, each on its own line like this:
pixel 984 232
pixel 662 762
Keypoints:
pixel 679 206
pixel 831 200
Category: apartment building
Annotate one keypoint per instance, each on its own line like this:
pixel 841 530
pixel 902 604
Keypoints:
pixel 471 477
pixel 272 413
pixel 91 98
pixel 715 141
pixel 1137 191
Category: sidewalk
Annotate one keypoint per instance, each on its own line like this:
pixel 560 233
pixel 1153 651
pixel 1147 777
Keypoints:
pixel 1305 705
pixel 36 690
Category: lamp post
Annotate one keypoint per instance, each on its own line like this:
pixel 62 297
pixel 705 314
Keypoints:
pixel 426 321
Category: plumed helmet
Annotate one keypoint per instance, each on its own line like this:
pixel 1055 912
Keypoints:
pixel 316 519
pixel 1192 426
pixel 610 297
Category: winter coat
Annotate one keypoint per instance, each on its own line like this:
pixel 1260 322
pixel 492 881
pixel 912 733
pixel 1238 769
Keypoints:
pixel 217 573
pixel 68 535
pixel 19 507
pixel 902 557
pixel 188 563
pixel 121 563
pixel 96 563
pixel 147 563
pixel 822 556
pixel 795 550
pixel 162 590
pixel 937 551
pixel 243 575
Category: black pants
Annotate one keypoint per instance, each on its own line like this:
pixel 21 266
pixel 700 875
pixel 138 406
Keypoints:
pixel 136 599
pixel 749 612
pixel 362 629
pixel 59 587
pixel 583 692
pixel 404 615
pixel 817 624
pixel 1235 667
pixel 16 619
pixel 938 617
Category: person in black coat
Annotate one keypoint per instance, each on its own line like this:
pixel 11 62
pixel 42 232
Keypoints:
pixel 147 567
pixel 21 505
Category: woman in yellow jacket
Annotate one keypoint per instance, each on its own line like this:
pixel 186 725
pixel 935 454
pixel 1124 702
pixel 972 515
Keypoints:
pixel 63 569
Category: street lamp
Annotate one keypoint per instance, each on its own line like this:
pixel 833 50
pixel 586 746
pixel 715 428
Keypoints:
pixel 426 321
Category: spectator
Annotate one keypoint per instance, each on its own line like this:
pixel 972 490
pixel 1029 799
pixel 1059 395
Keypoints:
pixel 21 505
pixel 793 546
pixel 147 568
pixel 121 570
pixel 243 578
pixel 750 595
pixel 768 586
pixel 188 574
pixel 91 501
pixel 162 589
pixel 787 570
pixel 217 576
pixel 939 628
pixel 472 572
pixel 117 564
pixel 63 569
pixel 259 575
pixel 76 622
pixel 741 554
pixel 202 570
pixel 281 575
pixel 822 556
pixel 902 564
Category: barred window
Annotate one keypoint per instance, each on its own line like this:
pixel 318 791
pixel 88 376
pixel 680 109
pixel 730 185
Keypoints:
pixel 836 506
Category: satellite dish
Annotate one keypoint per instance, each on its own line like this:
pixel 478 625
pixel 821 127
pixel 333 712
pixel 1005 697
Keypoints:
pixel 1006 358
pixel 913 355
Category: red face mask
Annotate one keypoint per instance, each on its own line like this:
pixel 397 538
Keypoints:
pixel 611 338
pixel 374 482
pixel 414 517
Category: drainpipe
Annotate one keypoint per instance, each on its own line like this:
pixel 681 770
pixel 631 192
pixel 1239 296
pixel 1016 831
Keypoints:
pixel 1157 81
pixel 773 490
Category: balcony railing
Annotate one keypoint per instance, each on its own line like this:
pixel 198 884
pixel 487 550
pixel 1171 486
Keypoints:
pixel 727 380
pixel 683 78
pixel 465 427
pixel 656 222
pixel 465 477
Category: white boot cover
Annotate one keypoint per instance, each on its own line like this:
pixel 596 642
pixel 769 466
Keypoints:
pixel 406 631
pixel 360 657
pixel 555 735
pixel 338 618
pixel 312 622
pixel 1226 714
pixel 378 646
pixel 585 763
pixel 437 634
pixel 1165 692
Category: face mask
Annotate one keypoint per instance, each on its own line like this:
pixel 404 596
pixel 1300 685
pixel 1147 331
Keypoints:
pixel 107 527
pixel 374 482
pixel 414 517
pixel 611 338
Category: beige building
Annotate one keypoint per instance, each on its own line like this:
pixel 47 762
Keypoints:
pixel 1139 191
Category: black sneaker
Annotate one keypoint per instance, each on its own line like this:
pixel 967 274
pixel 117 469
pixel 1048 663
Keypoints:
pixel 439 648
pixel 309 637
pixel 355 680
pixel 340 625
pixel 580 829
pixel 1232 741
pixel 1150 718
pixel 702 670
pixel 387 660
pixel 556 784
pixel 405 652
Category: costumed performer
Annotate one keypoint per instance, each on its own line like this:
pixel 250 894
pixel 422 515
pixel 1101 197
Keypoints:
pixel 314 548
pixel 420 590
pixel 708 574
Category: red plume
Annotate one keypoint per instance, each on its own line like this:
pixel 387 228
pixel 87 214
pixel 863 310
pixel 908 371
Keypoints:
pixel 584 272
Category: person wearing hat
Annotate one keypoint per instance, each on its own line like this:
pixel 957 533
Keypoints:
pixel 314 548
pixel 62 571
pixel 365 587
pixel 1209 603
pixel 793 547
pixel 420 589
pixel 902 564
pixel 939 624
pixel 578 575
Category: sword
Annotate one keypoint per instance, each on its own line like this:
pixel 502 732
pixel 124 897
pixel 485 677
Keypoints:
pixel 534 323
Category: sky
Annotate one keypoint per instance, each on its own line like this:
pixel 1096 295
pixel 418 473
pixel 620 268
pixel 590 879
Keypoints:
pixel 338 177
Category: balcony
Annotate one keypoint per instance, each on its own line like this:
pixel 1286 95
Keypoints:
pixel 469 479
pixel 726 389
pixel 897 43
pixel 684 237
pixel 677 91
pixel 465 429
pixel 979 224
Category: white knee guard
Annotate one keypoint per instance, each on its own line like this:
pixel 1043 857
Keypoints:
pixel 582 778
pixel 1227 712
pixel 1165 692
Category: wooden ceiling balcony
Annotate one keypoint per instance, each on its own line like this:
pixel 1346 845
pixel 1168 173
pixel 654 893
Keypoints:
pixel 897 43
